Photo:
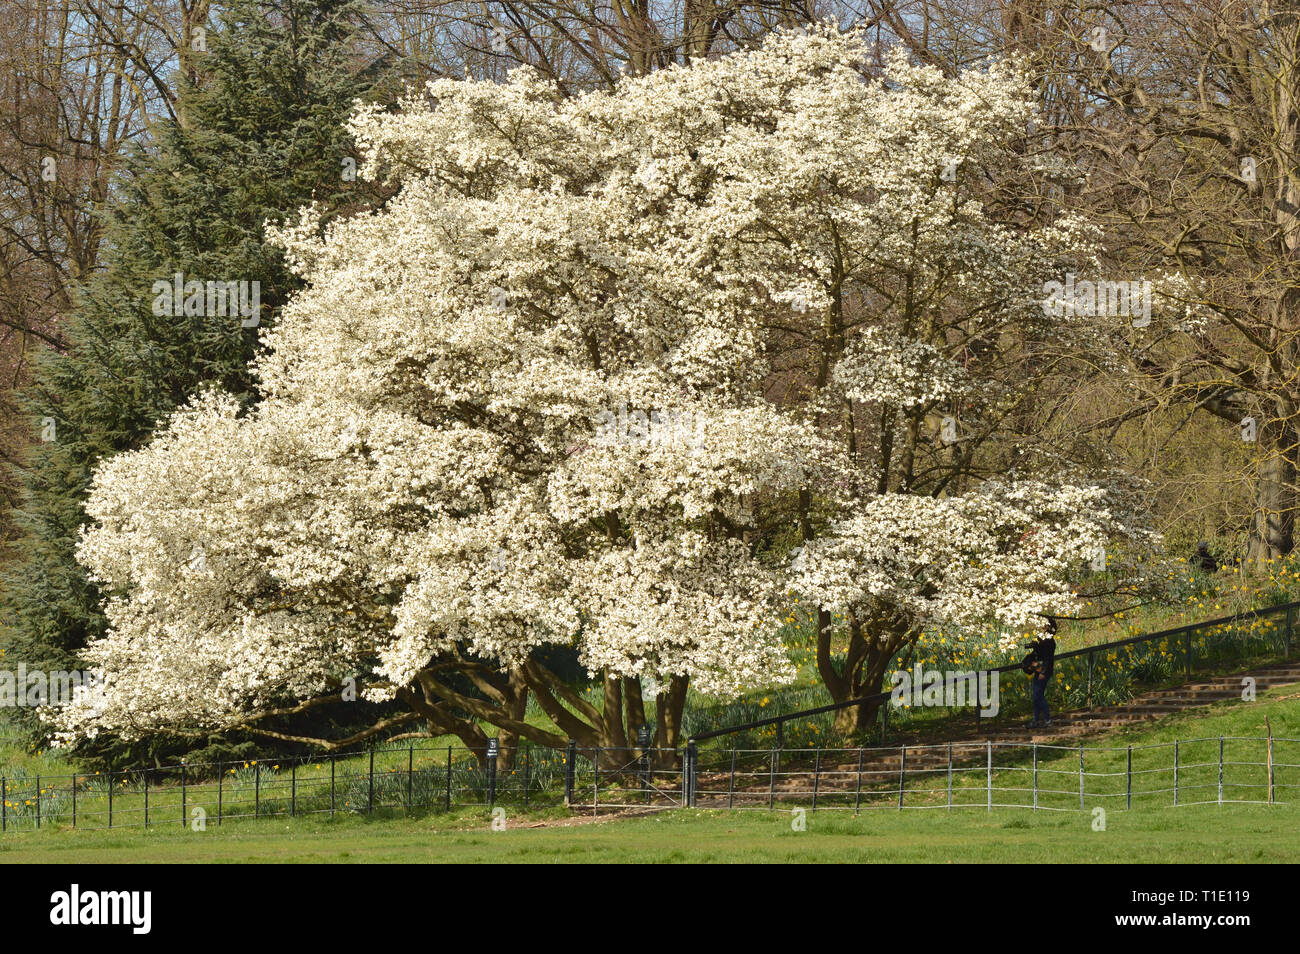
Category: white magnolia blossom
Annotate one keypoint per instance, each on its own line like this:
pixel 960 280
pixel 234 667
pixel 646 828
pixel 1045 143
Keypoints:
pixel 1001 553
pixel 900 371
pixel 428 470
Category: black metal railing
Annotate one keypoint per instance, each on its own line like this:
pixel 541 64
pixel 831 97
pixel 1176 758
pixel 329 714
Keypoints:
pixel 381 780
pixel 1280 645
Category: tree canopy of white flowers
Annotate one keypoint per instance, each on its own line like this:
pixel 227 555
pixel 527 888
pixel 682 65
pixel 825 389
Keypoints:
pixel 619 372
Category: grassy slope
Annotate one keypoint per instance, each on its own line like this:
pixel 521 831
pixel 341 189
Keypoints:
pixel 1189 834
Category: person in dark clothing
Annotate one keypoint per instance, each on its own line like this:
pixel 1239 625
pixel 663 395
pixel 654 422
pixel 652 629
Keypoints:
pixel 1038 665
pixel 1204 559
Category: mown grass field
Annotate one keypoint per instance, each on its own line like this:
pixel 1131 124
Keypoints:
pixel 1253 834
pixel 1198 834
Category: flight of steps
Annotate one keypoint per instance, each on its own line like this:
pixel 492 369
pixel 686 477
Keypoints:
pixel 1153 705
pixel 839 768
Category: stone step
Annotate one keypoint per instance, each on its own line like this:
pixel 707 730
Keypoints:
pixel 1078 723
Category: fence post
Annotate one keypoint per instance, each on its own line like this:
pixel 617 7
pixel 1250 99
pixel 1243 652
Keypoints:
pixel 731 785
pixel 1035 746
pixel 1128 787
pixel 1175 771
pixel 184 794
pixel 643 762
pixel 370 803
pixel 950 776
pixel 568 772
pixel 1091 664
pixel 817 775
pixel 902 774
pixel 771 781
pixel 146 800
pixel 38 804
pixel 74 791
pixel 293 789
pixel 1270 760
pixel 4 804
pixel 448 778
pixel 857 795
pixel 1220 770
pixel 257 789
pixel 694 754
pixel 989 787
pixel 410 774
pixel 595 778
pixel 528 772
pixel 686 775
pixel 492 750
pixel 110 799
pixel 1081 806
pixel 333 763
pixel 221 784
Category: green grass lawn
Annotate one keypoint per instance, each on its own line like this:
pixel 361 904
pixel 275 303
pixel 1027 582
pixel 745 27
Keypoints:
pixel 1148 833
pixel 1201 834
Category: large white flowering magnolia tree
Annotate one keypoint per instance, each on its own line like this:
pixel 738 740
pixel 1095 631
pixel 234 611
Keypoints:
pixel 585 381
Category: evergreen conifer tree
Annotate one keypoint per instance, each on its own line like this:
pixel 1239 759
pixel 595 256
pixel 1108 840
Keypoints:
pixel 261 133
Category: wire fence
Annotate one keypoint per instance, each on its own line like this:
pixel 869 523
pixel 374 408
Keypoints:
pixel 988 774
pixel 383 781
pixel 419 779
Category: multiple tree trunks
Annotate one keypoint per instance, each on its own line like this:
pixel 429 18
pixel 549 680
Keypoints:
pixel 614 724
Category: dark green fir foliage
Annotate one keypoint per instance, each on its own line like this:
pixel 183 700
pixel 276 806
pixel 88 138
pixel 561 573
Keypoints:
pixel 260 134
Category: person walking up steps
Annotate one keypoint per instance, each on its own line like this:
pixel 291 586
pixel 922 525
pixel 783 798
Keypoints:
pixel 1038 665
pixel 1204 559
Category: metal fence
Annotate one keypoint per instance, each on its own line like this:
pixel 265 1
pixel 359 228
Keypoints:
pixel 418 779
pixel 421 778
pixel 1151 660
pixel 386 780
pixel 990 775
